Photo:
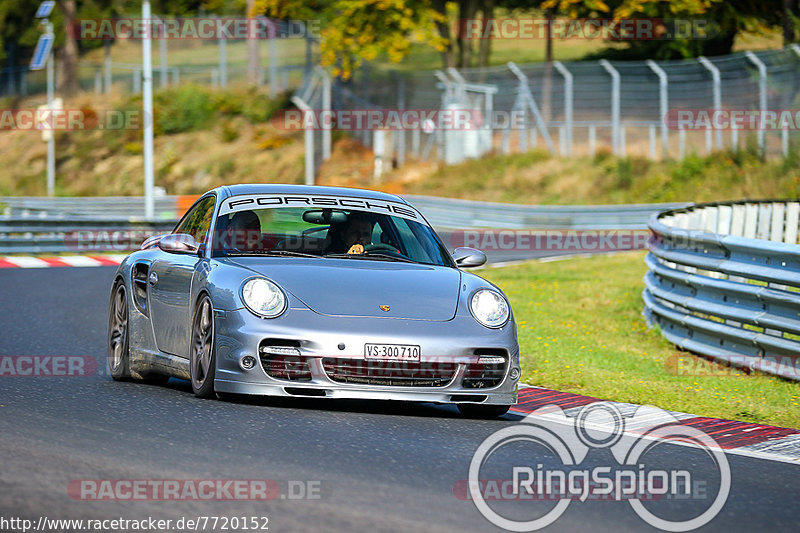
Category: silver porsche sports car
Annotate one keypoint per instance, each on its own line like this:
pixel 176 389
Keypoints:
pixel 313 291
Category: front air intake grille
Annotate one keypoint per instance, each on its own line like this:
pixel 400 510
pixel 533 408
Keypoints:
pixel 281 359
pixel 488 371
pixel 389 373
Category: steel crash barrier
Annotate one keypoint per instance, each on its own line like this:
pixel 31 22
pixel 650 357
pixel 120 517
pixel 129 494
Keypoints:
pixel 76 235
pixel 724 282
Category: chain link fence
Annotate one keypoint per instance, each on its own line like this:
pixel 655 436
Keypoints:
pixel 628 108
pixel 285 60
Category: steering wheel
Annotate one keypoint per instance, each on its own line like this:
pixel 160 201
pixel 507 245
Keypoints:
pixel 381 246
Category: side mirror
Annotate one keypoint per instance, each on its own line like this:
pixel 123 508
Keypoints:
pixel 179 243
pixel 151 242
pixel 469 257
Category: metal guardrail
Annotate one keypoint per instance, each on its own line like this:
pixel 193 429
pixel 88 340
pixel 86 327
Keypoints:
pixel 451 213
pixel 724 282
pixel 440 212
pixel 36 224
pixel 78 235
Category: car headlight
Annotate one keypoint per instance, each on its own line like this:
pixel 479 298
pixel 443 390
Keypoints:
pixel 263 298
pixel 489 308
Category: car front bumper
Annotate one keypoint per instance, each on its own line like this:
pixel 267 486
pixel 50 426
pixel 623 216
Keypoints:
pixel 450 343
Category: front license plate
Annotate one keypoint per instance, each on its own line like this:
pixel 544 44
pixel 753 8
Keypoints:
pixel 392 352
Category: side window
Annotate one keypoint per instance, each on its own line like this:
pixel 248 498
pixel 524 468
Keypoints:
pixel 197 221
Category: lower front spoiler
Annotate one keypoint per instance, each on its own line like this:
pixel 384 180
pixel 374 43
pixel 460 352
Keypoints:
pixel 373 393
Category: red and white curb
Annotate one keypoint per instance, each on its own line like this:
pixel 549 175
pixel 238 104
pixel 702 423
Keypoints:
pixel 21 261
pixel 737 438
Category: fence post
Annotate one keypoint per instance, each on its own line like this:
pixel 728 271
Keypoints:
pixel 223 61
pixel 162 49
pixel 762 96
pixel 568 103
pixel 663 105
pixel 615 90
pixel 326 108
pixel 682 143
pixel 592 140
pixel 652 134
pixel 379 149
pixel 308 138
pixel 98 81
pixel 274 82
pixel 107 68
pixel 525 96
pixel 401 133
pixel 717 92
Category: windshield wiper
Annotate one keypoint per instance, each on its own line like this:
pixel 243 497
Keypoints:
pixel 287 253
pixel 377 254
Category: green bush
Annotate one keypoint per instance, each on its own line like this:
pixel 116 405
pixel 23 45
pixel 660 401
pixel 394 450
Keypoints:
pixel 186 108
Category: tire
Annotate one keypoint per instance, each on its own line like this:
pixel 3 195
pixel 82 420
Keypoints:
pixel 118 333
pixel 203 357
pixel 471 410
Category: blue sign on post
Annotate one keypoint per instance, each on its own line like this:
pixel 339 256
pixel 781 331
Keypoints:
pixel 45 9
pixel 42 51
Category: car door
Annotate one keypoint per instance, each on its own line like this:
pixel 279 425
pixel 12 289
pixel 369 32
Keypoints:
pixel 170 283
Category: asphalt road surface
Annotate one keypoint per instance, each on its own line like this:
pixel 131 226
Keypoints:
pixel 375 466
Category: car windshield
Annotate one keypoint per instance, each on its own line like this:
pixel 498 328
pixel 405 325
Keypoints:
pixel 326 233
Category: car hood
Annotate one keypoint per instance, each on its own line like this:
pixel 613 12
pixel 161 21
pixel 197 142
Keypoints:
pixel 358 287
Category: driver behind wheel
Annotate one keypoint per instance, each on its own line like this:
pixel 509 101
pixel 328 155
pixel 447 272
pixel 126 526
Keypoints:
pixel 243 232
pixel 351 236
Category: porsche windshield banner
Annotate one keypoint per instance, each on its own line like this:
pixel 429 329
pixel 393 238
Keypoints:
pixel 248 202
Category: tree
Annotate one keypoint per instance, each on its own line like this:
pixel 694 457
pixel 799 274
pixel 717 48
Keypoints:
pixel 727 19
pixel 355 31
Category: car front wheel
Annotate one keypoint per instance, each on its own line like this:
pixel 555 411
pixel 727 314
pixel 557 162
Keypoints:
pixel 118 363
pixel 202 360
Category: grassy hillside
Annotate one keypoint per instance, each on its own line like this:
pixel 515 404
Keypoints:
pixel 205 138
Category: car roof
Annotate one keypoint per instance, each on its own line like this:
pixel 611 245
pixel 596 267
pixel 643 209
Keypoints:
pixel 281 188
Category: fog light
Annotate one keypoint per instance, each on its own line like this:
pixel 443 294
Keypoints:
pixel 247 362
pixel 514 373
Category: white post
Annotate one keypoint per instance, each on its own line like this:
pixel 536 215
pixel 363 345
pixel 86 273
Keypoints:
pixel 568 103
pixel 663 104
pixel 308 126
pixel 162 43
pixel 615 90
pixel 107 67
pixel 379 149
pixel 326 108
pixel 717 92
pixel 762 96
pixel 147 100
pixel 51 141
pixel 223 61
pixel 592 140
pixel 652 132
pixel 273 68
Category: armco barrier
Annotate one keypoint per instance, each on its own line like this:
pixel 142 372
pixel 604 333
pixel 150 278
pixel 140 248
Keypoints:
pixel 724 282
pixel 36 224
pixel 72 234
